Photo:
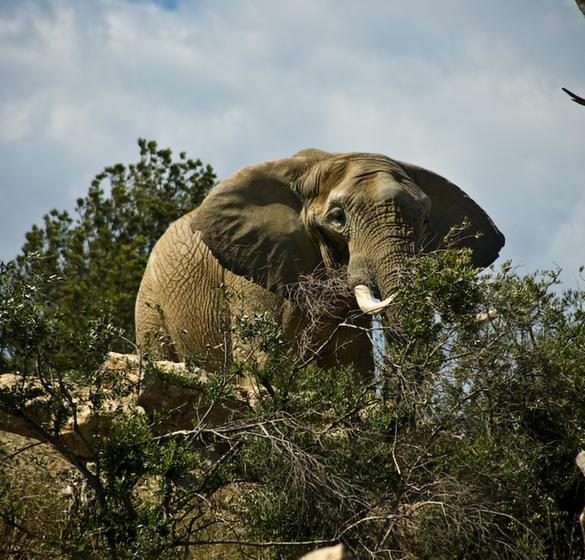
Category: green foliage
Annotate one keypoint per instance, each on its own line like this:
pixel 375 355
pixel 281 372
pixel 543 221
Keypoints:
pixel 133 500
pixel 504 402
pixel 96 257
pixel 462 447
pixel 465 445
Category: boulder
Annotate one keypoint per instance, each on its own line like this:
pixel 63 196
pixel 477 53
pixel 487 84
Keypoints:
pixel 169 389
pixel 336 552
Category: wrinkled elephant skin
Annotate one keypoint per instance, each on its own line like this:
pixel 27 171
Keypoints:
pixel 260 232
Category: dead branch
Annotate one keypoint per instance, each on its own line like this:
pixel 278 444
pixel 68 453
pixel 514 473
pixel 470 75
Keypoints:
pixel 574 96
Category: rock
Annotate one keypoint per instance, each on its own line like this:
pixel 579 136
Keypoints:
pixel 174 389
pixel 580 460
pixel 161 387
pixel 336 552
pixel 36 418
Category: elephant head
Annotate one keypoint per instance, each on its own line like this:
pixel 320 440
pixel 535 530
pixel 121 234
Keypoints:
pixel 276 221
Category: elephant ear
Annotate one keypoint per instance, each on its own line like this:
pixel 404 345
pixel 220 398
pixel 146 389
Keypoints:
pixel 450 208
pixel 252 224
pixel 313 154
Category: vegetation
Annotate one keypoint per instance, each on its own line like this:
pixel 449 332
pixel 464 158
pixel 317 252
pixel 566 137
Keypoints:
pixel 97 258
pixel 462 447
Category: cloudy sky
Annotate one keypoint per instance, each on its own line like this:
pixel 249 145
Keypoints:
pixel 468 88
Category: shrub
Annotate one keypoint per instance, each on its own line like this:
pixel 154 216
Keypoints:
pixel 462 447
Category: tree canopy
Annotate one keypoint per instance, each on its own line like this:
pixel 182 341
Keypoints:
pixel 97 255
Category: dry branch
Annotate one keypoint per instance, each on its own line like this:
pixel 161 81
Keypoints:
pixel 576 98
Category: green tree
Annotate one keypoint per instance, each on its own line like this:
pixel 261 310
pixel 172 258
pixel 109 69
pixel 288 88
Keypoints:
pixel 96 256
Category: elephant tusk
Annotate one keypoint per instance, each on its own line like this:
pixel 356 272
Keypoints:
pixel 368 303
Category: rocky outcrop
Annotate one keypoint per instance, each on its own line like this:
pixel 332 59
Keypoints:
pixel 336 552
pixel 161 387
pixel 167 389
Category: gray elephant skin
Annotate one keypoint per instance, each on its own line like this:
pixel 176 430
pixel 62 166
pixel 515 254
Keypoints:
pixel 260 232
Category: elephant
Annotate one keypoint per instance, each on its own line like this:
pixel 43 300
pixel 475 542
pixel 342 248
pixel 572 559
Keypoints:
pixel 260 233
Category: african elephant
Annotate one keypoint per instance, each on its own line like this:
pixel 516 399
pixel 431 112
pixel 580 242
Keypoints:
pixel 262 230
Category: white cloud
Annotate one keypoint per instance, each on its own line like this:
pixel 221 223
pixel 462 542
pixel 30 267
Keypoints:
pixel 469 89
pixel 16 118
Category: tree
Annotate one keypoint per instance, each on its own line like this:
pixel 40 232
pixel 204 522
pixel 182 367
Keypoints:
pixel 96 257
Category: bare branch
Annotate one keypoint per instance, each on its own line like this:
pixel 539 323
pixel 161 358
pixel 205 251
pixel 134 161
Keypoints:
pixel 574 96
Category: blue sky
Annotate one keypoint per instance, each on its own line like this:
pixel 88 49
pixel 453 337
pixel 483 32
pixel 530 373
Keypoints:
pixel 469 89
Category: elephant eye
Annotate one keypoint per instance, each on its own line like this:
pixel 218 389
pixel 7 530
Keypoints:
pixel 336 217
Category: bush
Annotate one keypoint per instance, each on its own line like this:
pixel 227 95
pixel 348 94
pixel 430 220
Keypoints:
pixel 96 259
pixel 462 447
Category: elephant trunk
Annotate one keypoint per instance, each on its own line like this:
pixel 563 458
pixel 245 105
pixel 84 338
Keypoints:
pixel 376 278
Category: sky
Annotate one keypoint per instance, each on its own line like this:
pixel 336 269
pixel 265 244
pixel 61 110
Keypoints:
pixel 469 89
